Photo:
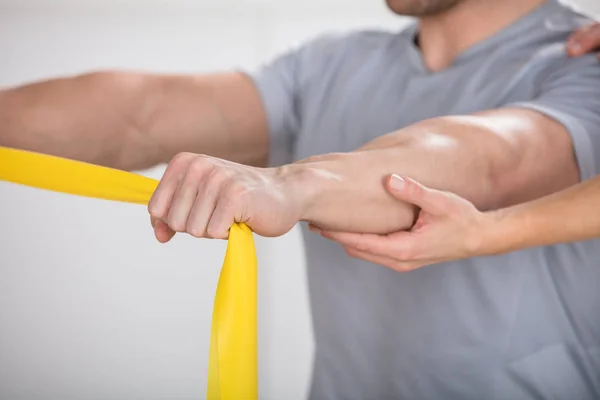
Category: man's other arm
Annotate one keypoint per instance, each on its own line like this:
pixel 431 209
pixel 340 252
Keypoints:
pixel 495 159
pixel 133 121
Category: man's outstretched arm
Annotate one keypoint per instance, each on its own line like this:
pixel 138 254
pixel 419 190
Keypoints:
pixel 136 120
pixel 494 159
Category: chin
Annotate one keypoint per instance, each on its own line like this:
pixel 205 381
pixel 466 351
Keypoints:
pixel 420 8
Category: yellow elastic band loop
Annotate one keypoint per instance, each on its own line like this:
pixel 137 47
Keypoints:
pixel 233 360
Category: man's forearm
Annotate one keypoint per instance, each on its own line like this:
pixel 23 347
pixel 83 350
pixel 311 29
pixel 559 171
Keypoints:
pixel 489 164
pixel 134 121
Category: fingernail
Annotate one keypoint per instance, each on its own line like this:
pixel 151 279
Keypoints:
pixel 397 183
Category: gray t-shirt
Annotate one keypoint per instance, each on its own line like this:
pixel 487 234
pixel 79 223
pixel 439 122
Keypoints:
pixel 520 326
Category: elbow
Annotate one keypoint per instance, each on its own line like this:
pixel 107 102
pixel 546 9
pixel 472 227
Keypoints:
pixel 503 167
pixel 479 170
pixel 522 171
pixel 474 169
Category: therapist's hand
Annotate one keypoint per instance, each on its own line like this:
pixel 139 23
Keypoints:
pixel 448 227
pixel 204 196
pixel 585 40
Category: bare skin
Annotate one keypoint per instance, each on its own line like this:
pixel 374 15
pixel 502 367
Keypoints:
pixel 213 129
pixel 476 156
pixel 452 228
pixel 134 121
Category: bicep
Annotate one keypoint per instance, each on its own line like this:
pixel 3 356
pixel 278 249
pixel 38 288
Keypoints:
pixel 570 95
pixel 556 135
pixel 534 154
pixel 219 114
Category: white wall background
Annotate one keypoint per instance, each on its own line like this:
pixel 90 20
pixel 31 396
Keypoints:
pixel 91 307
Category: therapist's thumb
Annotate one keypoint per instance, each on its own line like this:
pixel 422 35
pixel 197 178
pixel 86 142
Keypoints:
pixel 432 201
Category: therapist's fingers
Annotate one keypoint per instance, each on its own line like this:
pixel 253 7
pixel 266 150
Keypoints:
pixel 398 244
pixel 396 265
pixel 434 202
pixel 585 40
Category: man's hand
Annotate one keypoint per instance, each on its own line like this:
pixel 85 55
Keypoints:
pixel 204 196
pixel 584 40
pixel 448 227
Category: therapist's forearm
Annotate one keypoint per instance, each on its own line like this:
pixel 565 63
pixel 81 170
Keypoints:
pixel 567 216
pixel 458 154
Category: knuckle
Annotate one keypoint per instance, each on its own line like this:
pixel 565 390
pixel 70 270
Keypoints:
pixel 414 189
pixel 450 203
pixel 216 175
pixel 404 253
pixel 351 251
pixel 200 166
pixel 175 224
pixel 216 231
pixel 361 245
pixel 235 192
pixel 394 266
pixel 181 158
pixel 211 232
pixel 398 265
pixel 155 211
pixel 195 231
pixel 402 268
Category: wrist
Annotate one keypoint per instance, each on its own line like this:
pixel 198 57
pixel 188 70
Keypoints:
pixel 502 231
pixel 307 183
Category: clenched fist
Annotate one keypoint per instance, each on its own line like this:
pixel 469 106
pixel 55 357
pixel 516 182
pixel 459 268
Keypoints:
pixel 204 196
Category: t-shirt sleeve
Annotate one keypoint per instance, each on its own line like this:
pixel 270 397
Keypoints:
pixel 282 85
pixel 570 94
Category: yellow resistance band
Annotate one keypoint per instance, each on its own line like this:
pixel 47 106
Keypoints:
pixel 232 369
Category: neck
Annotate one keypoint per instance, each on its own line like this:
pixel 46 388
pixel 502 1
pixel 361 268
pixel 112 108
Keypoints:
pixel 444 36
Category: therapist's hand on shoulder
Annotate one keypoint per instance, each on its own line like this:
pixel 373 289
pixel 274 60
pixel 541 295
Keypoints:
pixel 448 227
pixel 585 40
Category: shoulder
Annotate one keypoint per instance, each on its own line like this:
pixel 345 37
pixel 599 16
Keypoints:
pixel 546 41
pixel 566 89
pixel 541 49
